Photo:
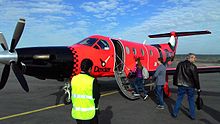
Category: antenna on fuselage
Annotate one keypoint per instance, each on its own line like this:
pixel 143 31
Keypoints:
pixel 144 42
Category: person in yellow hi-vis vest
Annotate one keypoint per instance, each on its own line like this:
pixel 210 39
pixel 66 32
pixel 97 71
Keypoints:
pixel 85 95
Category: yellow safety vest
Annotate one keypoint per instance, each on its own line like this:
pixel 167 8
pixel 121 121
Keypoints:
pixel 82 98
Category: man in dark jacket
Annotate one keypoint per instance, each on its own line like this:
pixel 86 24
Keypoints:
pixel 186 79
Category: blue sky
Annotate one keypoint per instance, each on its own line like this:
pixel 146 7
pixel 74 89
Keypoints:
pixel 65 22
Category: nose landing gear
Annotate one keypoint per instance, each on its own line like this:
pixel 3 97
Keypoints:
pixel 67 93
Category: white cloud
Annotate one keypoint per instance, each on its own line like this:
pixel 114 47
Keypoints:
pixel 13 8
pixel 45 19
pixel 50 8
pixel 175 17
pixel 101 6
pixel 110 26
pixel 52 1
pixel 103 9
pixel 199 15
pixel 180 1
pixel 141 2
pixel 59 20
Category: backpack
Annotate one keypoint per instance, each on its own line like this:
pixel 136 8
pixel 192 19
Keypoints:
pixel 145 73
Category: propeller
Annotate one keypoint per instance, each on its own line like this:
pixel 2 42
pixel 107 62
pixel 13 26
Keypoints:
pixel 5 75
pixel 9 57
pixel 3 41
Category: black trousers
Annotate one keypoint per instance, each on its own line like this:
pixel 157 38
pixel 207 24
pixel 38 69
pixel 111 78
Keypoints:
pixel 92 121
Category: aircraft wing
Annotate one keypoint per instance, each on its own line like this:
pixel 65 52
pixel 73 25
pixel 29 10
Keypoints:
pixel 206 69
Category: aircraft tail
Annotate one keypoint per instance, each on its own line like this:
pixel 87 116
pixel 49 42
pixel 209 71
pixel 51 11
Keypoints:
pixel 174 36
pixel 179 34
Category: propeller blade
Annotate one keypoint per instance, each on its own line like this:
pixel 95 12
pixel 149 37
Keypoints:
pixel 3 42
pixel 17 34
pixel 5 75
pixel 20 77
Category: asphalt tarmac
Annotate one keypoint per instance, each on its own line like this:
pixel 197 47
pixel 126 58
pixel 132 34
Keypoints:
pixel 43 104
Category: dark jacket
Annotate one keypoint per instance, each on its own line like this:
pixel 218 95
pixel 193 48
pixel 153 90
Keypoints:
pixel 186 75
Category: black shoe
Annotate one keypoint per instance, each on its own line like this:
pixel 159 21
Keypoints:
pixel 172 115
pixel 192 118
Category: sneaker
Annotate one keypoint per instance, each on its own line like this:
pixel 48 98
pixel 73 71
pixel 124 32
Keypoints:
pixel 145 97
pixel 160 107
pixel 136 94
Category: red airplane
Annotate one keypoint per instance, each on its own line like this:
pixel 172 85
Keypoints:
pixel 111 57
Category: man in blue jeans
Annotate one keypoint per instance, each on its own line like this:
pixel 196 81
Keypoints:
pixel 160 76
pixel 186 79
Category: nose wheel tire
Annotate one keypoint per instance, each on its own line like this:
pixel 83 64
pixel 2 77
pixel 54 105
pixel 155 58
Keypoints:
pixel 67 99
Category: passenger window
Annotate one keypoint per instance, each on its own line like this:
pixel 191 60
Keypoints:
pixel 103 44
pixel 142 52
pixel 127 50
pixel 151 53
pixel 134 51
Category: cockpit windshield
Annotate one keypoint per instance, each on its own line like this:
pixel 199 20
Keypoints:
pixel 88 41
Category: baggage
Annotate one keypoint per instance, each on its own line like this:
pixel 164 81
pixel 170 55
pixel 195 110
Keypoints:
pixel 199 102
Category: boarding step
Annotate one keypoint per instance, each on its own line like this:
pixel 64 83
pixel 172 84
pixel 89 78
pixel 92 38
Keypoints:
pixel 121 74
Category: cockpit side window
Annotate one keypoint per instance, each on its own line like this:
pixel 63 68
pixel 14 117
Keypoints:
pixel 103 44
pixel 96 47
pixel 88 41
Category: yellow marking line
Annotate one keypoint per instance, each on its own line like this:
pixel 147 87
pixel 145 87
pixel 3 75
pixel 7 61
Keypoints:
pixel 46 108
pixel 110 93
pixel 30 112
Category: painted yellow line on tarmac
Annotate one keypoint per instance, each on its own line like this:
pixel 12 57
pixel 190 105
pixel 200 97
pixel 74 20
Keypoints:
pixel 107 94
pixel 46 108
pixel 30 112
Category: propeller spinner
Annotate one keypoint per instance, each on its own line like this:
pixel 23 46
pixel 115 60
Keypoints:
pixel 9 57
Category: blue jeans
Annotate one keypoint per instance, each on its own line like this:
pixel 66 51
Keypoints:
pixel 180 94
pixel 139 86
pixel 159 94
